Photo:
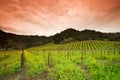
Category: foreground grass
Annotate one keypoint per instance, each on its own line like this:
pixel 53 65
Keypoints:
pixel 9 62
pixel 86 60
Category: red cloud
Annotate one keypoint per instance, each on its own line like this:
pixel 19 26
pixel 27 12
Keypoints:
pixel 50 15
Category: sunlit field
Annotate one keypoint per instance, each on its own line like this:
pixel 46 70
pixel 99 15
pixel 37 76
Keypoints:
pixel 83 60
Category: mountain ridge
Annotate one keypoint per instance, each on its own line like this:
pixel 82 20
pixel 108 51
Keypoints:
pixel 10 40
pixel 85 35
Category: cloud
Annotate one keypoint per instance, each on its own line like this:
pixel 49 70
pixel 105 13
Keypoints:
pixel 46 17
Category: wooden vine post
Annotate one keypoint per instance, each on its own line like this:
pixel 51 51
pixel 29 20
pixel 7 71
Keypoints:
pixel 102 54
pixel 22 60
pixel 51 59
pixel 81 55
pixel 92 54
pixel 108 52
pixel 48 58
pixel 68 55
pixel 114 52
pixel 119 52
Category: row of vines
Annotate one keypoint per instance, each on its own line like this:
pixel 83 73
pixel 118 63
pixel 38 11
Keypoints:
pixel 84 60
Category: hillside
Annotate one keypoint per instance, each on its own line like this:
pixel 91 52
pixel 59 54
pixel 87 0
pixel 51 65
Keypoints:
pixel 9 40
pixel 84 60
pixel 80 45
pixel 84 35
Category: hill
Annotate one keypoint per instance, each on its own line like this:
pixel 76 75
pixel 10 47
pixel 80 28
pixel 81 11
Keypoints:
pixel 84 35
pixel 80 45
pixel 9 40
pixel 82 60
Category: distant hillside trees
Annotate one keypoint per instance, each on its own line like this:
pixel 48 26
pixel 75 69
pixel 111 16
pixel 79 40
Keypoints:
pixel 9 40
pixel 84 35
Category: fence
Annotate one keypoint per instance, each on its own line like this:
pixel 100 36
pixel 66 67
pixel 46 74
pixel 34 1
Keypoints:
pixel 69 54
pixel 83 54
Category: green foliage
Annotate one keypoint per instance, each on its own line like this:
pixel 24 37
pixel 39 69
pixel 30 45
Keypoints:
pixel 9 62
pixel 85 60
pixel 98 60
pixel 34 64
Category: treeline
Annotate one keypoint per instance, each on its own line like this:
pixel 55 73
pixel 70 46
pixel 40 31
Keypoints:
pixel 84 35
pixel 9 40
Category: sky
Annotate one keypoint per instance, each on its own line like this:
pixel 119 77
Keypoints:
pixel 48 17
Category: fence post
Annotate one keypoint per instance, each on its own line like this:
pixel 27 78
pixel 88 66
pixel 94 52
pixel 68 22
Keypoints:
pixel 51 59
pixel 102 53
pixel 22 60
pixel 92 53
pixel 119 52
pixel 108 52
pixel 81 55
pixel 48 58
pixel 58 51
pixel 114 52
pixel 85 53
pixel 43 53
pixel 68 55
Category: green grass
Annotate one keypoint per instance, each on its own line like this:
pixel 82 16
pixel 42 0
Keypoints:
pixel 9 62
pixel 84 60
pixel 34 64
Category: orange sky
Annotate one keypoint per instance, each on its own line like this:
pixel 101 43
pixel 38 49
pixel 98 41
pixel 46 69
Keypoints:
pixel 47 17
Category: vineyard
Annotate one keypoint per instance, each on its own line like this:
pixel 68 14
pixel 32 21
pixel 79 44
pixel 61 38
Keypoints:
pixel 83 60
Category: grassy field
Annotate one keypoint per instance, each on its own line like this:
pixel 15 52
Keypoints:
pixel 84 60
